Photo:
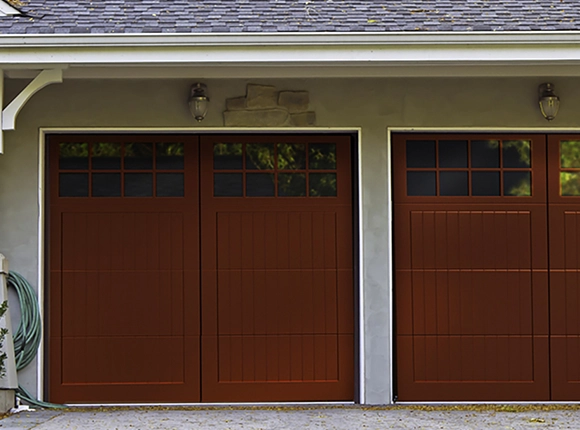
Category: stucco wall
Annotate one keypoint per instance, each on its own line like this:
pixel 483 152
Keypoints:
pixel 372 104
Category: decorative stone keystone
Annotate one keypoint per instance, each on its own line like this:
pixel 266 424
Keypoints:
pixel 294 101
pixel 261 96
pixel 263 106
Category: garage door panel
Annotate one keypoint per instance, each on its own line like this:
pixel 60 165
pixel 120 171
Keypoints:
pixel 281 265
pixel 288 367
pixel 455 368
pixel 471 260
pixel 128 308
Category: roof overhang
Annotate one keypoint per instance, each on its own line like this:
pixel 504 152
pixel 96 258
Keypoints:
pixel 297 54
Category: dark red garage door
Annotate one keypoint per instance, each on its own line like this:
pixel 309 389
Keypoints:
pixel 487 267
pixel 188 269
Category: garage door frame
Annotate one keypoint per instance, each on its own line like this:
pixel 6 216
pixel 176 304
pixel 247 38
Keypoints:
pixel 43 226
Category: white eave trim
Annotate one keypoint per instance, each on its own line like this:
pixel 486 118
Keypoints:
pixel 396 48
pixel 6 9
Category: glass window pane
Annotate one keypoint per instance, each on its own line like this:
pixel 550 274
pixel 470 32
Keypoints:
pixel 106 185
pixel 291 156
pixel 227 156
pixel 485 184
pixel 260 185
pixel 516 153
pixel 420 153
pixel 322 156
pixel 453 183
pixel 73 185
pixel 291 184
pixel 170 185
pixel 260 156
pixel 106 156
pixel 322 184
pixel 453 153
pixel 570 153
pixel 485 153
pixel 227 185
pixel 138 156
pixel 139 184
pixel 570 183
pixel 517 184
pixel 169 156
pixel 73 156
pixel 421 184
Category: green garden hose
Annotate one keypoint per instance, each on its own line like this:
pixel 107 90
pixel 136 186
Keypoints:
pixel 29 333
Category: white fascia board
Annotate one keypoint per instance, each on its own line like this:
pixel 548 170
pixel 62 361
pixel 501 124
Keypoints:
pixel 333 49
pixel 6 9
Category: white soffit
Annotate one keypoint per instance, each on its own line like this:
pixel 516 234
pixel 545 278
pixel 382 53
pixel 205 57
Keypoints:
pixel 550 50
pixel 6 9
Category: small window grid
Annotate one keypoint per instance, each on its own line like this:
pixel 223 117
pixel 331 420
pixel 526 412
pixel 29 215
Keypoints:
pixel 569 167
pixel 505 175
pixel 167 181
pixel 308 175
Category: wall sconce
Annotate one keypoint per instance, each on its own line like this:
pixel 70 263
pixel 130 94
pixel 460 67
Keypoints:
pixel 549 102
pixel 198 101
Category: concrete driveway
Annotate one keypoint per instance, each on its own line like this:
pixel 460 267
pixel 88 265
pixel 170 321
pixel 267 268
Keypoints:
pixel 303 417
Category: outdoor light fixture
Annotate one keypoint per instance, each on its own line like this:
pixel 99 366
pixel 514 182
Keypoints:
pixel 198 101
pixel 549 102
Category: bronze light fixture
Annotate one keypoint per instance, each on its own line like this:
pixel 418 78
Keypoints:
pixel 549 102
pixel 198 101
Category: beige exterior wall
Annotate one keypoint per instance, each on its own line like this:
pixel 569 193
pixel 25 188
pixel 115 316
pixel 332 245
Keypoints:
pixel 371 104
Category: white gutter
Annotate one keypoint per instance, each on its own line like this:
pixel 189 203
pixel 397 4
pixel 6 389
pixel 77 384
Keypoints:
pixel 282 49
pixel 299 39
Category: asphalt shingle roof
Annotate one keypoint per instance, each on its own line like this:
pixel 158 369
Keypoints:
pixel 203 16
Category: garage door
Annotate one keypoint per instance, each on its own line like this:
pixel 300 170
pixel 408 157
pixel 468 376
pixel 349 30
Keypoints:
pixel 486 267
pixel 200 269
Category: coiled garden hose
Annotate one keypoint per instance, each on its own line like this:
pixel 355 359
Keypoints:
pixel 29 333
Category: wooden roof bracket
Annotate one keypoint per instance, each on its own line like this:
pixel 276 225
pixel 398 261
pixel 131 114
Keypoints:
pixel 10 112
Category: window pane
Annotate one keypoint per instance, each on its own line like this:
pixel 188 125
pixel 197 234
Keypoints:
pixel 260 156
pixel 291 184
pixel 322 184
pixel 421 184
pixel 420 153
pixel 453 183
pixel 106 156
pixel 73 185
pixel 517 184
pixel 170 185
pixel 485 184
pixel 227 156
pixel 138 156
pixel 570 183
pixel 321 156
pixel 291 156
pixel 260 185
pixel 570 153
pixel 227 185
pixel 169 156
pixel 73 156
pixel 139 184
pixel 484 153
pixel 516 153
pixel 106 184
pixel 453 153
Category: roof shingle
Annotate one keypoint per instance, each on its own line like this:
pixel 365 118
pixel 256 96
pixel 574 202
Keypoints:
pixel 202 16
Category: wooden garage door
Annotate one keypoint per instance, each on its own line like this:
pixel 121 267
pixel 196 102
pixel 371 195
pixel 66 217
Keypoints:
pixel 487 267
pixel 277 268
pixel 471 266
pixel 269 317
